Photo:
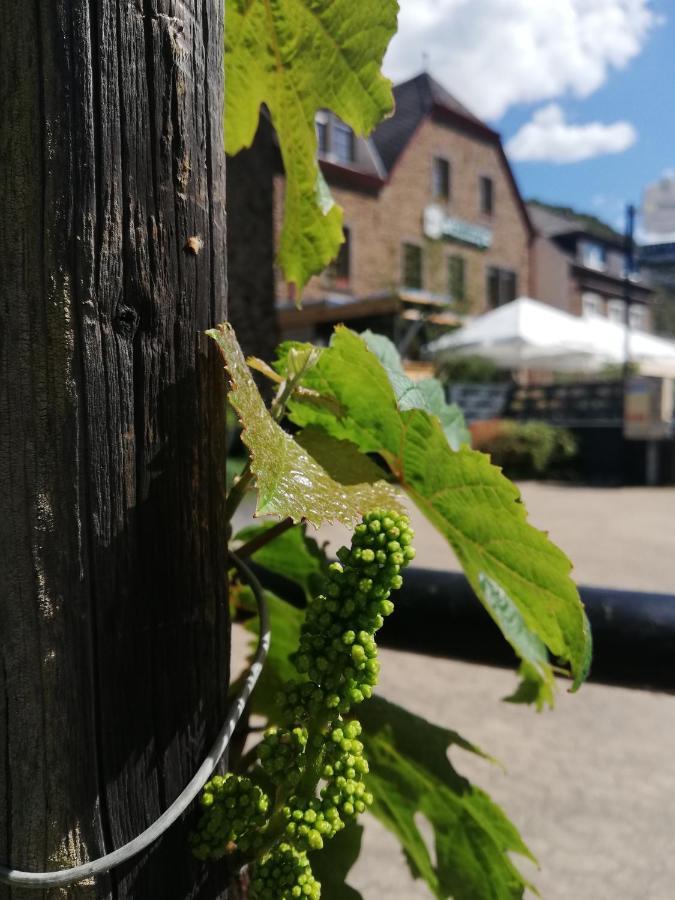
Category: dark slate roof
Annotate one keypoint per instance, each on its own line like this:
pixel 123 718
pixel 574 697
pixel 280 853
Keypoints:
pixel 415 100
pixel 553 221
pixel 420 98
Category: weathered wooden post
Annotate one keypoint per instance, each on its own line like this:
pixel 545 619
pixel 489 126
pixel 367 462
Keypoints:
pixel 113 621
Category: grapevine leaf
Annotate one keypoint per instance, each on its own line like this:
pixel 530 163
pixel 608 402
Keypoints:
pixel 287 350
pixel 538 684
pixel 425 394
pixel 299 56
pixel 450 415
pixel 410 773
pixel 259 365
pixel 341 459
pixel 331 865
pixel 290 482
pixel 533 688
pixel 521 577
pixel 292 555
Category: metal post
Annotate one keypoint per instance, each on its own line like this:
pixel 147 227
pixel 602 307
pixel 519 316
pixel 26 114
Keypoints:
pixel 652 463
pixel 629 267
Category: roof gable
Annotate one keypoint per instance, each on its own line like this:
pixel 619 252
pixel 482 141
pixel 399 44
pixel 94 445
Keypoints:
pixel 417 99
pixel 423 98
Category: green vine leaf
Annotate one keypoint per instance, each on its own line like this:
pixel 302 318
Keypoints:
pixel 285 623
pixel 290 482
pixel 332 865
pixel 297 57
pixel 410 773
pixel 521 577
pixel 293 555
pixel 341 459
pixel 425 394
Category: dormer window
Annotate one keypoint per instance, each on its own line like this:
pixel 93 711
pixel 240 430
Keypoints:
pixel 335 140
pixel 343 142
pixel 322 137
pixel 593 255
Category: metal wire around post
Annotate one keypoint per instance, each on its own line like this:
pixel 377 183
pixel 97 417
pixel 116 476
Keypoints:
pixel 43 880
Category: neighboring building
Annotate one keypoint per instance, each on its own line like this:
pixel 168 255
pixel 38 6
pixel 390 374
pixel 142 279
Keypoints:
pixel 578 265
pixel 433 217
pixel 658 210
pixel 657 266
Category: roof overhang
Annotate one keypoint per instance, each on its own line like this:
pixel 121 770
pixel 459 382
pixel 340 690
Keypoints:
pixel 346 176
pixel 603 281
pixel 327 311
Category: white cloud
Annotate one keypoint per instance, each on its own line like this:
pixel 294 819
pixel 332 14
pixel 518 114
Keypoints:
pixel 548 137
pixel 494 53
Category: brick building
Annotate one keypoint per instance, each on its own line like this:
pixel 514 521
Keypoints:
pixel 433 218
pixel 578 265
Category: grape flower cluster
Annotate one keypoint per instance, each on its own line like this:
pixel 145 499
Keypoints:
pixel 314 761
pixel 233 809
pixel 337 651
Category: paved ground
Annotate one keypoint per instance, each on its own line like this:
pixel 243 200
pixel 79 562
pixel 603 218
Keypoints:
pixel 592 784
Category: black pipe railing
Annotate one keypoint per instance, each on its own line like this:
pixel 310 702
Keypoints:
pixel 633 632
pixel 437 613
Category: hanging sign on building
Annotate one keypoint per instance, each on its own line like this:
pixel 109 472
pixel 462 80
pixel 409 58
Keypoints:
pixel 438 225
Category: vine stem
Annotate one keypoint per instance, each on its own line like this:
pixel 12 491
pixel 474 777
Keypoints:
pixel 266 537
pixel 306 785
pixel 238 491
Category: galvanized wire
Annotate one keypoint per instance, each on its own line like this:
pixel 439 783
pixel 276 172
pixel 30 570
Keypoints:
pixel 42 880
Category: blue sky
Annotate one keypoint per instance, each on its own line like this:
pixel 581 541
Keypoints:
pixel 589 82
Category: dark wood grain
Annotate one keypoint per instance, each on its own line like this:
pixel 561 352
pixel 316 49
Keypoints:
pixel 113 630
pixel 250 245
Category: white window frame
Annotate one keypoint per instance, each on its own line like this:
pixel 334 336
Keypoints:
pixel 637 316
pixel 616 310
pixel 592 304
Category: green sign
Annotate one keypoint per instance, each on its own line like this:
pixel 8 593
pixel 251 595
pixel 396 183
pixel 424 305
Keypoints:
pixel 437 225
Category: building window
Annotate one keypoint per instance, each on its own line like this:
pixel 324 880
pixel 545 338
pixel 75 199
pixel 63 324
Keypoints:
pixel 412 266
pixel 502 286
pixel 487 195
pixel 592 304
pixel 593 255
pixel 322 136
pixel 637 316
pixel 339 271
pixel 441 178
pixel 456 286
pixel 616 311
pixel 343 142
pixel 334 139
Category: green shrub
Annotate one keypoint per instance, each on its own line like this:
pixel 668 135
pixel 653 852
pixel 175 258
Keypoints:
pixel 531 449
pixel 470 370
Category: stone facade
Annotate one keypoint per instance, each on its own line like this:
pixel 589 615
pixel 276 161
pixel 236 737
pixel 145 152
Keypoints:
pixel 381 219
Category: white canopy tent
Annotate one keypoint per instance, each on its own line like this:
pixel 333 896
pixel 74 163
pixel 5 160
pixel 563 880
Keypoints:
pixel 527 334
pixel 653 355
